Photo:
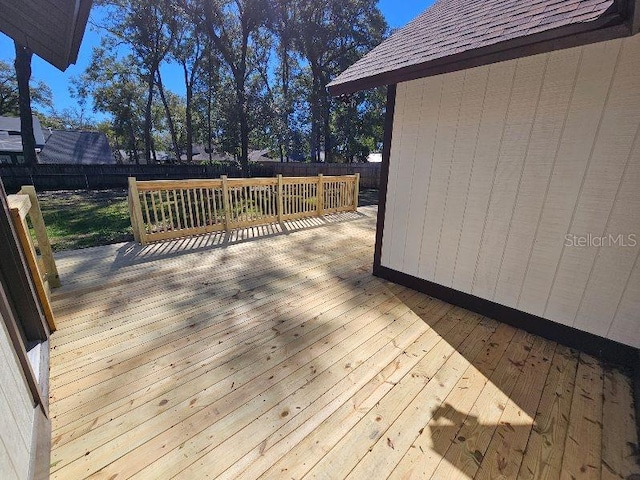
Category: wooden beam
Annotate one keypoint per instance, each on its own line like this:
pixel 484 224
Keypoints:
pixel 44 245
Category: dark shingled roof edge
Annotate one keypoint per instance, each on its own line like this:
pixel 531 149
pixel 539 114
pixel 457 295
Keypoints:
pixel 441 41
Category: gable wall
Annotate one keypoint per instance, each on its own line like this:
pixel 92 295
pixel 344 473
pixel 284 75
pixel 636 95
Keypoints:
pixel 491 168
pixel 16 414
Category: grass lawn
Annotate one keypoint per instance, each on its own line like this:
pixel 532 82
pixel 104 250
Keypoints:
pixel 81 218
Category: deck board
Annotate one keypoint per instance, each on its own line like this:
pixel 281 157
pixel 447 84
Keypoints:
pixel 274 353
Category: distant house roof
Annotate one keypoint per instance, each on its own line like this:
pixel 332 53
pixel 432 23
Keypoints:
pixel 10 139
pixel 452 31
pixel 261 156
pixel 74 147
pixel 53 29
pixel 200 155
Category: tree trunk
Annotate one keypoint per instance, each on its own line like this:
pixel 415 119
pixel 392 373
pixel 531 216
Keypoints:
pixel 23 74
pixel 188 118
pixel 167 111
pixel 327 131
pixel 244 126
pixel 133 146
pixel 147 121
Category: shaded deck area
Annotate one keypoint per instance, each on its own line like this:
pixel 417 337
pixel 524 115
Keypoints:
pixel 276 354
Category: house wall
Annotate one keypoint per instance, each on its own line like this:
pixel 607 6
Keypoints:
pixel 491 168
pixel 16 414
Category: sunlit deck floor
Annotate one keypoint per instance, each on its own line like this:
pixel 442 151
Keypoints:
pixel 283 357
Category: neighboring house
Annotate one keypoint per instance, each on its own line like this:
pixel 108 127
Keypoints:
pixel 511 167
pixel 77 148
pixel 11 140
pixel 261 156
pixel 200 155
pixel 53 30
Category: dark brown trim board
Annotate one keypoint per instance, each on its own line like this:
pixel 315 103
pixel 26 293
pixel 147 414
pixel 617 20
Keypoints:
pixel 636 392
pixel 603 348
pixel 384 172
pixel 19 286
pixel 19 306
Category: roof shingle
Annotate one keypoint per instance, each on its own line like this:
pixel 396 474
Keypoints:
pixel 75 147
pixel 452 27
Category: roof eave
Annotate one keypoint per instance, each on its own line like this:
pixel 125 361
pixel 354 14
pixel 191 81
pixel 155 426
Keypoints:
pixel 607 27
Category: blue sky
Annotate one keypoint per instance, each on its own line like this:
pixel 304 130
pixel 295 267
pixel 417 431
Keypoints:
pixel 397 13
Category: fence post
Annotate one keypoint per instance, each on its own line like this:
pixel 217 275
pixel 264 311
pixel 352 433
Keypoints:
pixel 225 202
pixel 41 235
pixel 356 188
pixel 279 206
pixel 135 211
pixel 320 201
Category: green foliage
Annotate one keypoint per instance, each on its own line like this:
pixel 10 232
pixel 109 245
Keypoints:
pixel 255 73
pixel 41 96
pixel 85 219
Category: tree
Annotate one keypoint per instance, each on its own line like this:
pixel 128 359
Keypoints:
pixel 332 35
pixel 233 27
pixel 190 50
pixel 283 26
pixel 67 119
pixel 41 95
pixel 23 76
pixel 146 27
pixel 116 89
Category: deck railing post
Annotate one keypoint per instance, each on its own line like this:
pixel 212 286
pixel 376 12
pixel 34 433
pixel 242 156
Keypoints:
pixel 135 211
pixel 225 202
pixel 320 200
pixel 356 192
pixel 35 213
pixel 280 203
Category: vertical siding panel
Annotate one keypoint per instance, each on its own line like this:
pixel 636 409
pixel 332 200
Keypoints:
pixel 6 467
pixel 394 168
pixel 613 264
pixel 11 437
pixel 406 161
pixel 16 409
pixel 608 159
pixel 440 171
pixel 486 155
pixel 624 328
pixel 585 111
pixel 430 108
pixel 522 110
pixel 492 167
pixel 475 85
pixel 541 152
pixel 20 406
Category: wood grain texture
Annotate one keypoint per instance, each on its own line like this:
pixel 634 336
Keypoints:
pixel 294 361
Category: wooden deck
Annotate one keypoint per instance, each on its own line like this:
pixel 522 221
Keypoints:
pixel 278 355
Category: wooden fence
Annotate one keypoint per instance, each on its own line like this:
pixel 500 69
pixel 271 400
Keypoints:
pixel 24 205
pixel 97 177
pixel 166 209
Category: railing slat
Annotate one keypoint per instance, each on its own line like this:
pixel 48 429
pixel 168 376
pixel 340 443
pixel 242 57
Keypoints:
pixel 225 204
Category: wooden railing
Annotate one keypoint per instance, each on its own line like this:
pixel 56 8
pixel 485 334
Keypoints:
pixel 42 266
pixel 167 209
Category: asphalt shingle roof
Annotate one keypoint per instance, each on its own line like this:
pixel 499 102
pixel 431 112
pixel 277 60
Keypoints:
pixel 452 27
pixel 10 139
pixel 74 147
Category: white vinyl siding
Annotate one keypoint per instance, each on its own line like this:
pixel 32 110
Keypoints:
pixel 492 167
pixel 16 420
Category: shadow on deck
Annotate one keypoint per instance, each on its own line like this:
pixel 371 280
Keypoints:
pixel 286 358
